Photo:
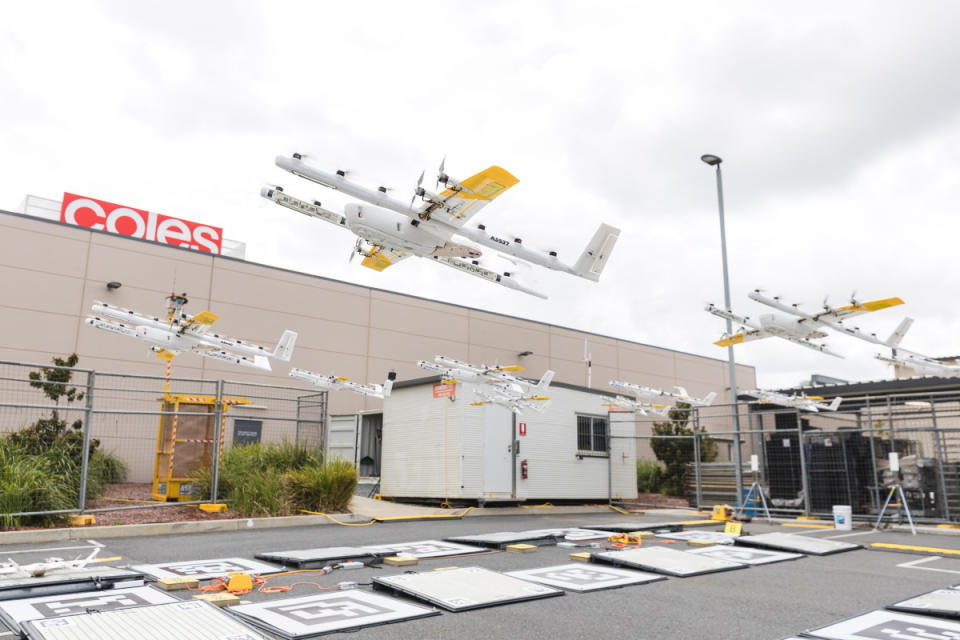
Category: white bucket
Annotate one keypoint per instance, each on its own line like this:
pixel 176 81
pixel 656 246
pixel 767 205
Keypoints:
pixel 842 517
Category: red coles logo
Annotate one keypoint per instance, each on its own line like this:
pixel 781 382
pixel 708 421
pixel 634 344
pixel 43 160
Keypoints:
pixel 127 221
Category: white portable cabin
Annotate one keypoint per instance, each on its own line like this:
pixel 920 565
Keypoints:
pixel 440 447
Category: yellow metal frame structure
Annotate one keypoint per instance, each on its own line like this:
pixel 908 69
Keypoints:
pixel 185 439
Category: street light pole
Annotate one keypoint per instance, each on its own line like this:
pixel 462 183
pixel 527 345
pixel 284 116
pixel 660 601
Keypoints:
pixel 714 161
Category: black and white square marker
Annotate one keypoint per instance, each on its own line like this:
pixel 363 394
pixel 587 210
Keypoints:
pixel 328 613
pixel 423 549
pixel 15 612
pixel 717 537
pixel 204 569
pixel 194 619
pixel 889 625
pixel 746 555
pixel 501 539
pixel 464 588
pixel 319 557
pixel 577 576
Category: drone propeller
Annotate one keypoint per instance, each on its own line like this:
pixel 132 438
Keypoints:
pixel 441 176
pixel 418 190
pixel 853 298
pixel 826 307
pixel 355 250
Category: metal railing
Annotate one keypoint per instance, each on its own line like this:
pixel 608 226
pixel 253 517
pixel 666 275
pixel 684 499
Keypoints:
pixel 120 414
pixel 808 462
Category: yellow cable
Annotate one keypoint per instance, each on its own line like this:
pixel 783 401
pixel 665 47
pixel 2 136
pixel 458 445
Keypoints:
pixel 534 506
pixel 387 518
pixel 332 519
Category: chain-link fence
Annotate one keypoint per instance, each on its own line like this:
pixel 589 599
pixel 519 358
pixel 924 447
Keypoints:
pixel 807 462
pixel 163 429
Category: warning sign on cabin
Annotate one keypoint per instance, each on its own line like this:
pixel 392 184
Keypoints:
pixel 444 390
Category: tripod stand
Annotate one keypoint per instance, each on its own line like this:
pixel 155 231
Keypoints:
pixel 743 503
pixel 903 502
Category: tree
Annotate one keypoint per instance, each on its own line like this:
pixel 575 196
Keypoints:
pixel 43 434
pixel 678 451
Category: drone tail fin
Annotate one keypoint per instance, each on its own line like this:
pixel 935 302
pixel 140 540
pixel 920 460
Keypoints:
pixel 898 333
pixel 835 404
pixel 545 380
pixel 284 349
pixel 595 255
pixel 709 398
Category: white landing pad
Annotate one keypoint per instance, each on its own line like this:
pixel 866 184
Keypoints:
pixel 205 569
pixel 942 602
pixel 746 555
pixel 717 537
pixel 423 549
pixel 664 560
pixel 60 581
pixel 797 544
pixel 577 576
pixel 195 620
pixel 15 612
pixel 319 557
pixel 318 614
pixel 888 625
pixel 464 588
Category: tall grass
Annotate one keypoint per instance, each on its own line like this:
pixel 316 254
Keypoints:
pixel 278 479
pixel 650 476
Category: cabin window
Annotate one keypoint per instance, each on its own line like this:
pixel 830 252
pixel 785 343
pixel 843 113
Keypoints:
pixel 591 435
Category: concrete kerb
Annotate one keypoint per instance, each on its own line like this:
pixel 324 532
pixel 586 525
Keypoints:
pixel 243 524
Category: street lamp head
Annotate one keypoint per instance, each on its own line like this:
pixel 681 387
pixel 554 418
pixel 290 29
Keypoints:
pixel 711 159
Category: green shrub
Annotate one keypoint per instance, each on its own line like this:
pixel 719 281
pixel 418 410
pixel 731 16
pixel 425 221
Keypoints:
pixel 328 488
pixel 277 479
pixel 110 468
pixel 29 483
pixel 650 476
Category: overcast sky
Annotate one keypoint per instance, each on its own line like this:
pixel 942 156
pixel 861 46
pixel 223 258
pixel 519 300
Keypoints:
pixel 838 123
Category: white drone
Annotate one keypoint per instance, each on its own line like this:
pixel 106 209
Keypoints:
pixel 495 385
pixel 183 332
pixel 802 401
pixel 389 230
pixel 11 569
pixel 649 400
pixel 802 328
pixel 337 383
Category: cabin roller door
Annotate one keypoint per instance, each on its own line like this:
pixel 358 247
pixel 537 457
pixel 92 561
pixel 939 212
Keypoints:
pixel 342 439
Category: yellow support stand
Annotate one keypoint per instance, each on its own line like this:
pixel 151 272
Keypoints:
pixel 185 441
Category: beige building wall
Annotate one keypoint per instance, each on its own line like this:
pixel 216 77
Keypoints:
pixel 51 273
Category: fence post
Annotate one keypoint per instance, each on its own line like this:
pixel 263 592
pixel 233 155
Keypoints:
pixel 609 460
pixel 87 426
pixel 804 483
pixel 944 505
pixel 215 467
pixel 696 466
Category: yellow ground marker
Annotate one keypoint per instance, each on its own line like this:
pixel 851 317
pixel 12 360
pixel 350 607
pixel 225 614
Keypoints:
pixel 177 584
pixel 700 543
pixel 803 525
pixel 400 561
pixel 948 526
pixel 808 517
pixel 219 599
pixel 582 556
pixel 213 508
pixel 522 548
pixel 78 520
pixel 908 547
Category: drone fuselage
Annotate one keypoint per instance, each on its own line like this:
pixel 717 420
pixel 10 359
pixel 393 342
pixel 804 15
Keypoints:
pixel 387 228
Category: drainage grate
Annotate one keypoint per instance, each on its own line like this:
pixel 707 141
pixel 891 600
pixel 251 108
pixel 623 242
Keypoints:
pixel 665 560
pixel 328 613
pixel 795 543
pixel 464 588
pixel 204 569
pixel 745 555
pixel 580 577
pixel 15 612
pixel 888 625
pixel 194 620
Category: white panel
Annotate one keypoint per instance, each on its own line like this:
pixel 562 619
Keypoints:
pixel 793 542
pixel 425 549
pixel 717 537
pixel 942 602
pixel 14 612
pixel 316 557
pixel 465 588
pixel 196 620
pixel 204 569
pixel 578 576
pixel 888 625
pixel 668 561
pixel 328 612
pixel 745 555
